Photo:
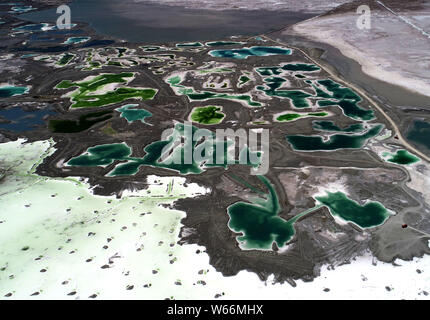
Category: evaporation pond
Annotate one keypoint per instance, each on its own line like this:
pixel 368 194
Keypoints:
pixel 334 142
pixel 420 133
pixel 369 215
pixel 131 113
pixel 401 157
pixel 249 52
pixel 259 223
pixel 10 91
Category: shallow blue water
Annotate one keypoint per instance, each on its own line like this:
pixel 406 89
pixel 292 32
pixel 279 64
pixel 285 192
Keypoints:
pixel 20 120
pixel 156 23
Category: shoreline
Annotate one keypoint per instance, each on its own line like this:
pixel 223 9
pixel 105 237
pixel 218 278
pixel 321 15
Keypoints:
pixel 369 65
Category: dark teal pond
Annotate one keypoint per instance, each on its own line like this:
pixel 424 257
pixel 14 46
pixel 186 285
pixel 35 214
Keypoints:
pixel 333 95
pixel 83 122
pixel 10 91
pixel 259 222
pixel 369 215
pixel 189 45
pixel 275 71
pixel 249 52
pixel 258 219
pixel 401 157
pixel 192 157
pixel 335 141
pixel 345 98
pixel 420 133
pixel 222 43
pixel 298 98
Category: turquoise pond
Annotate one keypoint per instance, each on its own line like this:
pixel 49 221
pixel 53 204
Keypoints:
pixel 335 141
pixel 21 9
pixel 28 55
pixel 249 52
pixel 167 154
pixel 33 27
pixel 10 91
pixel 76 40
pixel 369 215
pixel 131 113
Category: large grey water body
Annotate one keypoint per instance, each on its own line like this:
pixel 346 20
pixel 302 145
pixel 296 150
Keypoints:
pixel 155 23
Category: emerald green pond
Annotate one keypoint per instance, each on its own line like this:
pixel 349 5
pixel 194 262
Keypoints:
pixel 318 114
pixel 10 91
pixel 336 141
pixel 370 215
pixel 249 52
pixel 131 113
pixel 243 80
pixel 330 126
pixel 84 122
pixel 207 115
pixel 121 51
pixel 259 222
pixel 288 117
pixel 65 59
pixel 84 97
pixel 164 154
pixel 401 157
pixel 293 116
